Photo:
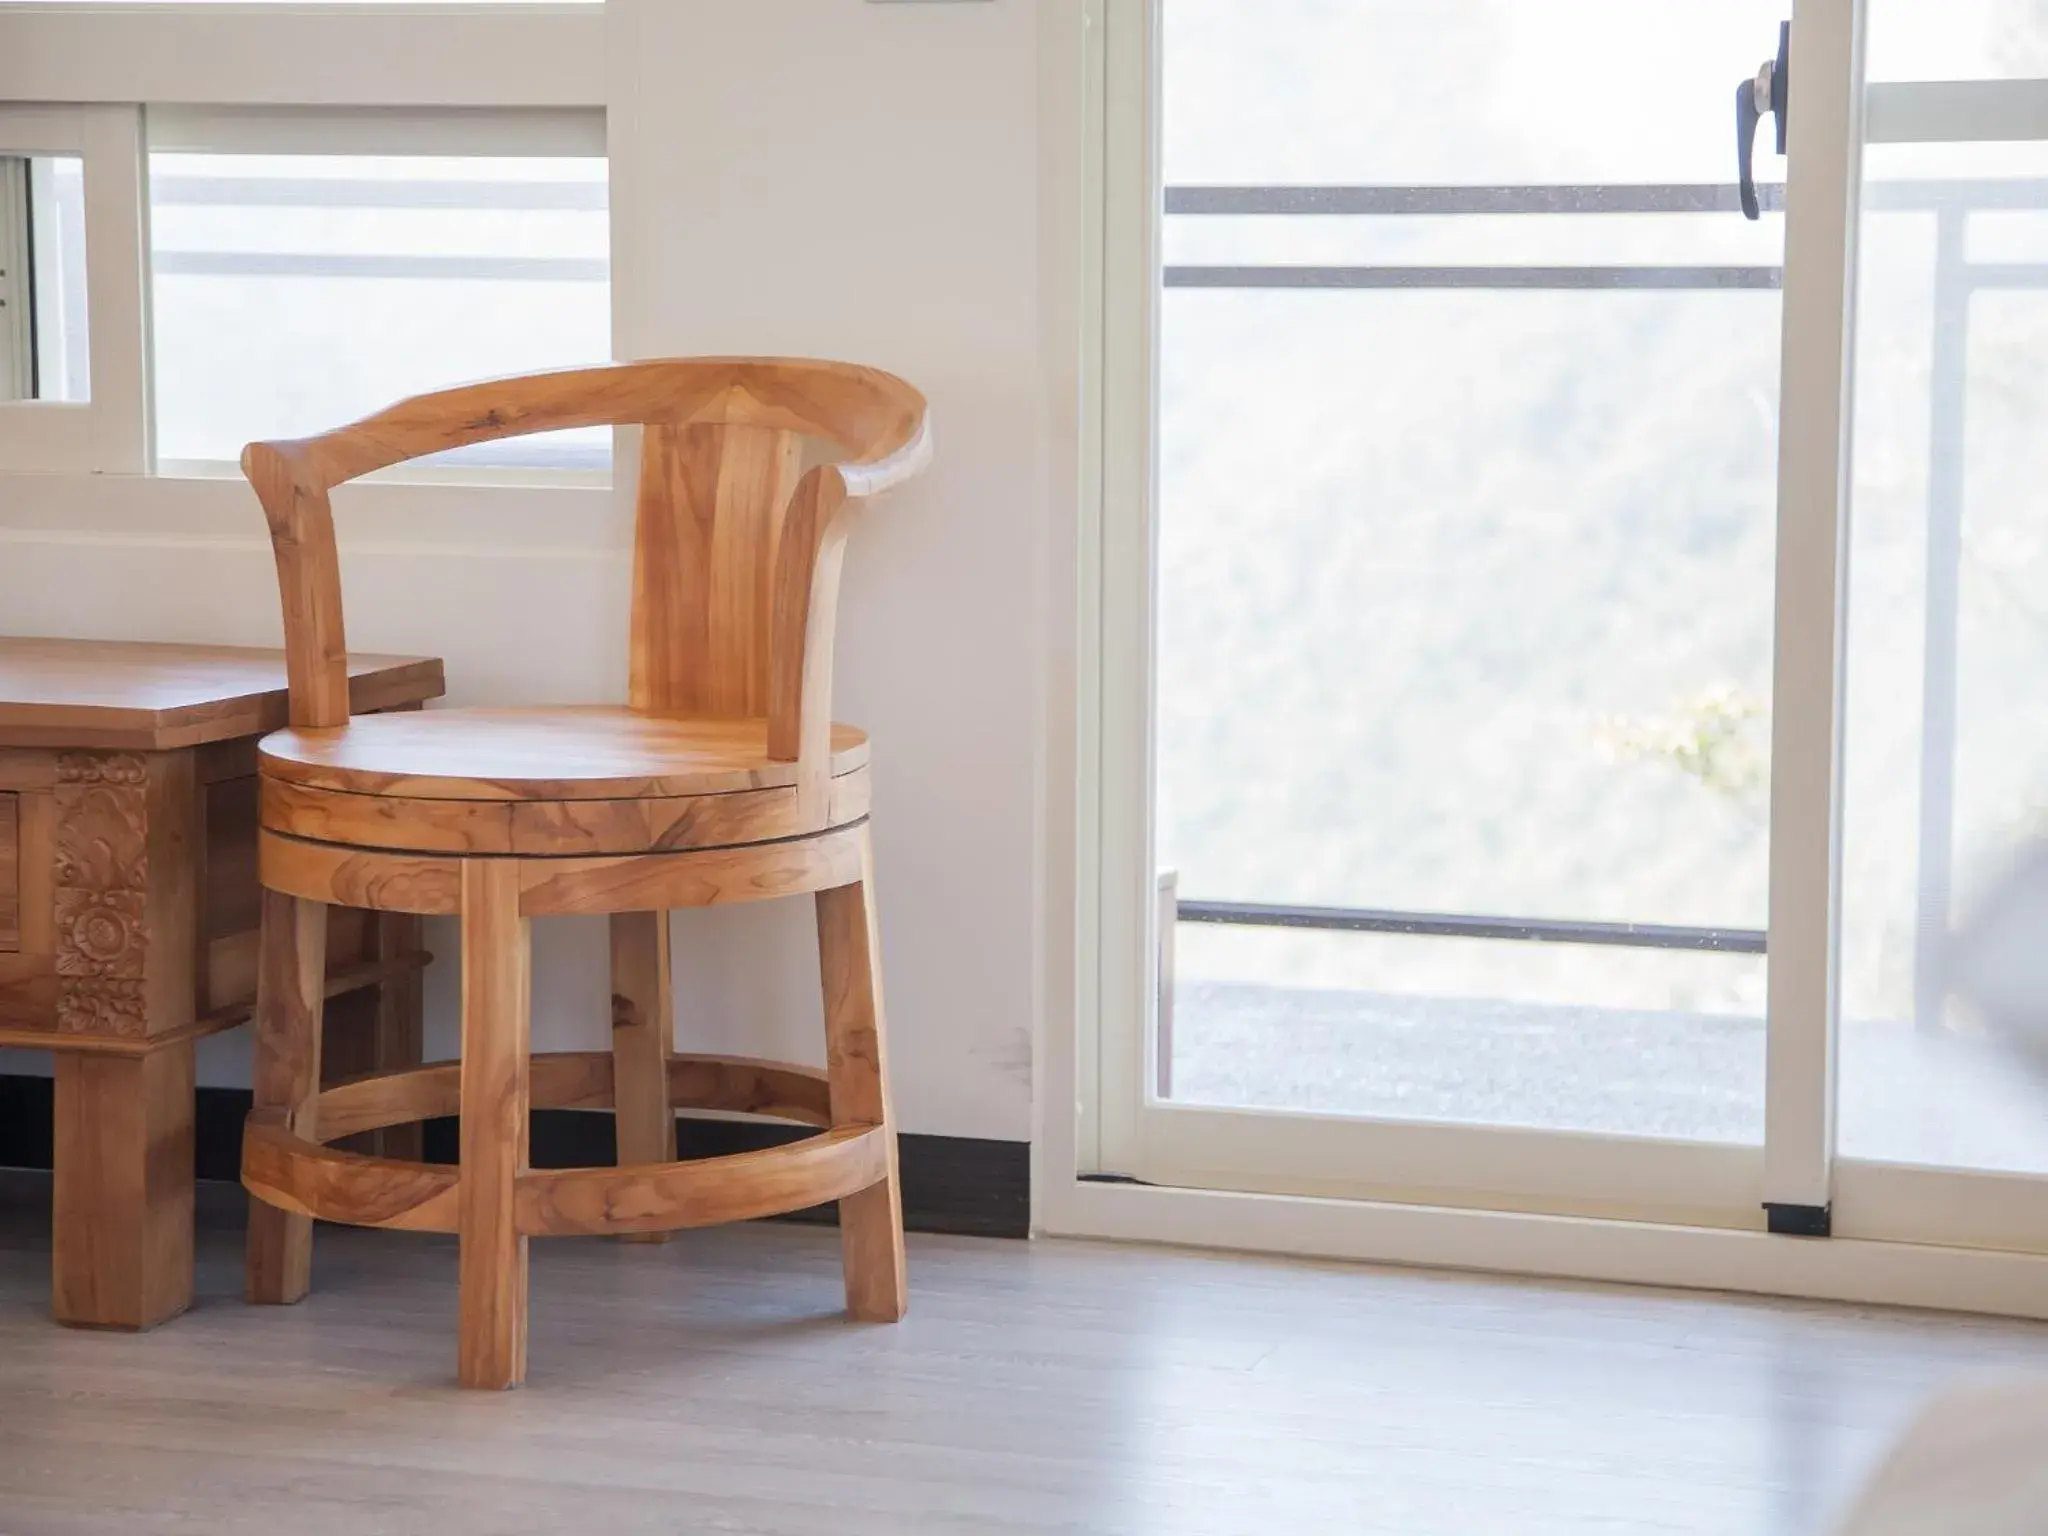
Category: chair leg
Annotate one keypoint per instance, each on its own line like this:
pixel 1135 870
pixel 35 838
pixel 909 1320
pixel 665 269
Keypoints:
pixel 291 986
pixel 496 1099
pixel 399 1029
pixel 870 1222
pixel 642 1026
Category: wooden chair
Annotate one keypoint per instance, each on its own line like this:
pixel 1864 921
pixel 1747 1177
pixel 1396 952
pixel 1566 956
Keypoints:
pixel 722 779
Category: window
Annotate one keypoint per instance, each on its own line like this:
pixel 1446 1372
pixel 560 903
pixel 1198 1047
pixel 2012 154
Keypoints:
pixel 1947 770
pixel 71 312
pixel 1467 454
pixel 43 349
pixel 53 206
pixel 256 270
pixel 296 292
pixel 1956 40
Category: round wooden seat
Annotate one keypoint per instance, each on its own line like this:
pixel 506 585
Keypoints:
pixel 548 782
pixel 569 752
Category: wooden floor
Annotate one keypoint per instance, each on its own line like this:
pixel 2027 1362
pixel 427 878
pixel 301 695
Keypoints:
pixel 711 1384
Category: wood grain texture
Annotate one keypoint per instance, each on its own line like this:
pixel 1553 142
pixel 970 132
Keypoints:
pixel 431 884
pixel 37 831
pixel 720 781
pixel 28 1001
pixel 558 1080
pixel 705 878
pixel 231 899
pixel 221 761
pixel 857 1066
pixel 548 828
pixel 552 828
pixel 121 1255
pixel 1970 1465
pixel 402 824
pixel 710 509
pixel 29 769
pixel 1054 1389
pixel 806 607
pixel 291 1175
pixel 342 980
pixel 565 1202
pixel 112 695
pixel 100 893
pixel 285 1084
pixel 643 1037
pixel 745 1085
pixel 130 907
pixel 129 835
pixel 28 977
pixel 496 1025
pixel 398 1025
pixel 585 752
pixel 698 411
pixel 385 882
pixel 578 1080
pixel 10 872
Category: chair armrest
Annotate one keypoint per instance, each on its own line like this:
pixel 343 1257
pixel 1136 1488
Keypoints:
pixel 805 607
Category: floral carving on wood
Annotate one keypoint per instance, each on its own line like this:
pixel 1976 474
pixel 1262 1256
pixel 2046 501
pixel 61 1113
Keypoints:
pixel 102 877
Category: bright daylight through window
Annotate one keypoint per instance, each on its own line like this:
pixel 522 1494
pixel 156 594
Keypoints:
pixel 1466 542
pixel 294 293
pixel 44 353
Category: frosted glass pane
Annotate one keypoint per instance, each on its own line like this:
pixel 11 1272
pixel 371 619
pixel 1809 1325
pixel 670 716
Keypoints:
pixel 1956 40
pixel 45 340
pixel 1947 755
pixel 1452 585
pixel 1465 592
pixel 1458 91
pixel 296 293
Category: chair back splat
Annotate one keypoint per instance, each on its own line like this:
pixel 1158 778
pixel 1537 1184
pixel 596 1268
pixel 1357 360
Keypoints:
pixel 735 555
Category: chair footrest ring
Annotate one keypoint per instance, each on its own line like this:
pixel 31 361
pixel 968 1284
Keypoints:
pixel 298 1173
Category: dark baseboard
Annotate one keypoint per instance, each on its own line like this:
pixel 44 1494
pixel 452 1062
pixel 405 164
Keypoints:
pixel 958 1184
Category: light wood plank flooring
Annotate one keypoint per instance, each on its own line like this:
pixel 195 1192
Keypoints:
pixel 711 1384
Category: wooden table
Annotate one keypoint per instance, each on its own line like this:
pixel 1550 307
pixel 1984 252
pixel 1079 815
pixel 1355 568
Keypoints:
pixel 128 903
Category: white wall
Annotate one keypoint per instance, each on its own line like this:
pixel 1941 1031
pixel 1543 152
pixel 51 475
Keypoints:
pixel 860 181
pixel 820 177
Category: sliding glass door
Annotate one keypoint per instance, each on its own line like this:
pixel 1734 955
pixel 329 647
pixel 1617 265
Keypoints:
pixel 1943 1132
pixel 1454 593
pixel 1467 412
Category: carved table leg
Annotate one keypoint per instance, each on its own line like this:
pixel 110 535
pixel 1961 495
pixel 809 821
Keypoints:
pixel 124 906
pixel 122 1243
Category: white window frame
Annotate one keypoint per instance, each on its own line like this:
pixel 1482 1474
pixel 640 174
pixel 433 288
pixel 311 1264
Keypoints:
pixel 307 55
pixel 108 433
pixel 1119 1162
pixel 80 80
pixel 453 132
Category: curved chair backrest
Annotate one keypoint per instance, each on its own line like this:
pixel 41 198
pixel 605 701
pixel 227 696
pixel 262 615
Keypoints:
pixel 735 561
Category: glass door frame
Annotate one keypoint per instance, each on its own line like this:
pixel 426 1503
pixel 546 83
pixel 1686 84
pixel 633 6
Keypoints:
pixel 1792 1182
pixel 1880 1199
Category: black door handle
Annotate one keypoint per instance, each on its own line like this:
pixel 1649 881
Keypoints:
pixel 1753 98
